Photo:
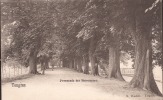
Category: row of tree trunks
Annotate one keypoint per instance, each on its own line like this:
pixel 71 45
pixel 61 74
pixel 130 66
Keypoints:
pixel 77 63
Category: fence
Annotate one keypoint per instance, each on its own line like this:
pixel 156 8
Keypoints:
pixel 12 70
pixel 127 71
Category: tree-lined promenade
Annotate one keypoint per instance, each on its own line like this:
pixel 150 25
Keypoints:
pixel 76 33
pixel 50 86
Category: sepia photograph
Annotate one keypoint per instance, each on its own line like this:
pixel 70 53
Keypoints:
pixel 81 50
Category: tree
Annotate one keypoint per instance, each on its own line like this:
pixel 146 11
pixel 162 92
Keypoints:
pixel 96 23
pixel 141 24
pixel 33 30
pixel 86 64
pixel 114 59
pixel 73 47
pixel 91 22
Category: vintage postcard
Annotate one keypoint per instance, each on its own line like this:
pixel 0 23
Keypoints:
pixel 81 50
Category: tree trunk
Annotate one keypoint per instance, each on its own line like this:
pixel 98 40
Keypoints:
pixel 64 63
pixel 96 70
pixel 114 63
pixel 92 61
pixel 72 63
pixel 96 67
pixel 42 64
pixel 92 49
pixel 69 63
pixel 79 63
pixel 143 76
pixel 75 63
pixel 33 63
pixel 86 64
pixel 47 64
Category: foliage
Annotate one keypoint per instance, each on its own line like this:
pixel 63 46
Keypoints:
pixel 66 27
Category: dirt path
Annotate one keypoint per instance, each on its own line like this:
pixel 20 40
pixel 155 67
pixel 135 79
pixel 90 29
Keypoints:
pixel 49 87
